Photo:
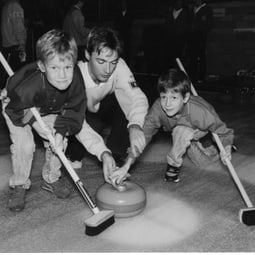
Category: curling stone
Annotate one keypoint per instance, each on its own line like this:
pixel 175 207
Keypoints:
pixel 127 199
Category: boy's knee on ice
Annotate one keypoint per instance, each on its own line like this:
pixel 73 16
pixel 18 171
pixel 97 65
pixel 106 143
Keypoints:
pixel 196 144
pixel 182 137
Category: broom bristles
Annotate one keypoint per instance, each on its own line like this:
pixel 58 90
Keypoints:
pixel 99 222
pixel 247 216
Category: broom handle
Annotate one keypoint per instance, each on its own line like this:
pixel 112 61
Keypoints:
pixel 66 163
pixel 60 153
pixel 222 149
pixel 5 65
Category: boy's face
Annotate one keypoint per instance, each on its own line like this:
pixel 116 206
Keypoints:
pixel 58 70
pixel 102 65
pixel 172 102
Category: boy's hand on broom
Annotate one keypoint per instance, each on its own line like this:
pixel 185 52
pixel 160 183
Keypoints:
pixel 60 143
pixel 227 154
pixel 44 133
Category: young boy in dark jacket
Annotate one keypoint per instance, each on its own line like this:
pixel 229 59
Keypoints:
pixel 188 117
pixel 54 85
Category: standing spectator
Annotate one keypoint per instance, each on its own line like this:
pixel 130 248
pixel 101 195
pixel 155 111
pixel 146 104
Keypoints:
pixel 13 33
pixel 123 24
pixel 177 27
pixel 202 20
pixel 74 24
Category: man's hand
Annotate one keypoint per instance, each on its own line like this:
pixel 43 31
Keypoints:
pixel 224 156
pixel 109 166
pixel 137 140
pixel 119 175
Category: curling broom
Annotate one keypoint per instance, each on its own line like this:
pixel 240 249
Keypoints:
pixel 246 215
pixel 101 219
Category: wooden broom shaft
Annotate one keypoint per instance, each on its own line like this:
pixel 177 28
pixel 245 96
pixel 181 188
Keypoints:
pixel 222 149
pixel 66 163
pixel 5 65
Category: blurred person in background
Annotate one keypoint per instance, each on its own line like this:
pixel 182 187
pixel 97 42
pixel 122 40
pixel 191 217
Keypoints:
pixel 74 24
pixel 13 33
pixel 201 24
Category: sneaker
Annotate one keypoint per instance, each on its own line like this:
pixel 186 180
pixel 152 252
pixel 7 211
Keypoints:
pixel 59 188
pixel 16 201
pixel 172 174
pixel 76 164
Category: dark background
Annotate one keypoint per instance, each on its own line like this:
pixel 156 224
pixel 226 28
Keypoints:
pixel 230 45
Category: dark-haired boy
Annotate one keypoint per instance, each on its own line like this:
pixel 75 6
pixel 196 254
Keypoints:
pixel 188 117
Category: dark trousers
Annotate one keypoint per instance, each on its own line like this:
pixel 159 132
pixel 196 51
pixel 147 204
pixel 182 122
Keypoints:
pixel 81 53
pixel 109 114
pixel 197 56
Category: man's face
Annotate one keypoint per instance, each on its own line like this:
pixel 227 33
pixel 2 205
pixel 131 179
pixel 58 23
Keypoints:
pixel 102 65
pixel 58 70
pixel 172 102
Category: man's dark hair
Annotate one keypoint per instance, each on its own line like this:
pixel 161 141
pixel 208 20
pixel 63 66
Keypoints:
pixel 103 37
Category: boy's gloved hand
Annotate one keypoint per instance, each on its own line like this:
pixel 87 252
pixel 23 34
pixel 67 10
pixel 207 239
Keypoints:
pixel 228 154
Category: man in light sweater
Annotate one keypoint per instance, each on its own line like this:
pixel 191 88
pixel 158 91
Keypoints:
pixel 13 33
pixel 114 98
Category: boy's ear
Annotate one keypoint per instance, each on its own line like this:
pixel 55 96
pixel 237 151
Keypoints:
pixel 41 66
pixel 186 98
pixel 87 55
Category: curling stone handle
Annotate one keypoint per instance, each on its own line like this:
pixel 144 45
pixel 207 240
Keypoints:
pixel 120 187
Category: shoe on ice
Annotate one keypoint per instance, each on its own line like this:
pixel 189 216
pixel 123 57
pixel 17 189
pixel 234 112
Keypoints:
pixel 172 174
pixel 59 188
pixel 16 200
pixel 76 164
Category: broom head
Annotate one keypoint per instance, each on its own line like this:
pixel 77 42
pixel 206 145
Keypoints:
pixel 247 216
pixel 99 222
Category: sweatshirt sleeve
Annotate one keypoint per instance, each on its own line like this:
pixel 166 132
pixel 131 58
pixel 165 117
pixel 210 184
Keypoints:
pixel 92 141
pixel 18 24
pixel 132 100
pixel 152 122
pixel 24 92
pixel 205 118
